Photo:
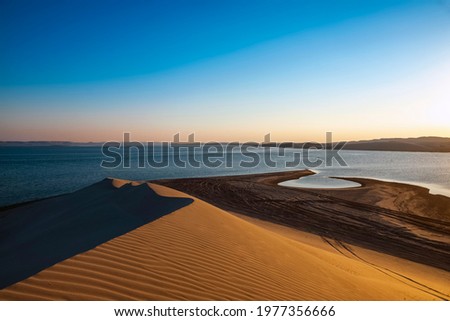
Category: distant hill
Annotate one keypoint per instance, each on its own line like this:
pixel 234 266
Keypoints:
pixel 419 144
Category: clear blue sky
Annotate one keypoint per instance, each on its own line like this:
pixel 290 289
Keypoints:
pixel 89 70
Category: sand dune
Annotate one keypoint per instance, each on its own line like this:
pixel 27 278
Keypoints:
pixel 200 252
pixel 38 235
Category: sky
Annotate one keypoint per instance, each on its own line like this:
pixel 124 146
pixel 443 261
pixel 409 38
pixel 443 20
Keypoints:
pixel 224 70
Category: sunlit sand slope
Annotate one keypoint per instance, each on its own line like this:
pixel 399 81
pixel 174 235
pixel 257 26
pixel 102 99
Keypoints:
pixel 200 252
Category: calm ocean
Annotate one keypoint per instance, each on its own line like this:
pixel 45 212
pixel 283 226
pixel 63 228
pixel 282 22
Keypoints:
pixel 29 173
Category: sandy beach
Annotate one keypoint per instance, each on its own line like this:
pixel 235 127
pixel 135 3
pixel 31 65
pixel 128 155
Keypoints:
pixel 229 238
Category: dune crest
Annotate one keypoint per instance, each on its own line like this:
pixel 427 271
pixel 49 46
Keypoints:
pixel 118 183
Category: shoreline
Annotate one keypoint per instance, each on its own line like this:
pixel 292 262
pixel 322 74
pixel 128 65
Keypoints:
pixel 292 183
pixel 428 186
pixel 296 174
pixel 356 216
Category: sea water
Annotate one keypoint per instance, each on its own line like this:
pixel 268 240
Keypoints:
pixel 34 172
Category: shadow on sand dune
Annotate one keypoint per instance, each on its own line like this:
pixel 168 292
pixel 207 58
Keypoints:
pixel 38 235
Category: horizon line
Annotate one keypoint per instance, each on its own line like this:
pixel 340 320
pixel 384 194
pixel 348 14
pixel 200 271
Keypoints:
pixel 204 142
